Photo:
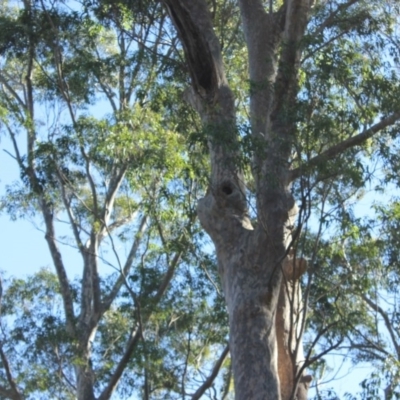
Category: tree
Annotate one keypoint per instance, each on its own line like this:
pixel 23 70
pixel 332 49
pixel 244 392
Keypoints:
pixel 288 96
pixel 122 180
pixel 258 271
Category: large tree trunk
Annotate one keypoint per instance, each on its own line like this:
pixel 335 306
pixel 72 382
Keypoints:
pixel 264 338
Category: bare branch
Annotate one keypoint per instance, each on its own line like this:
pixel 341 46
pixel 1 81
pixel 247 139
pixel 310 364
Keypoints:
pixel 117 177
pixel 4 81
pixel 128 265
pixel 14 392
pixel 386 320
pixel 339 148
pixel 209 381
pixel 137 334
pixel 59 265
pixel 332 17
pixel 67 205
pixel 167 278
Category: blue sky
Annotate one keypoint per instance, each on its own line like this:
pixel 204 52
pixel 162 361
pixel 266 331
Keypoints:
pixel 24 251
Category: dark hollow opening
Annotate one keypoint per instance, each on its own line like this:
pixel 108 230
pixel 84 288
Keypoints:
pixel 227 189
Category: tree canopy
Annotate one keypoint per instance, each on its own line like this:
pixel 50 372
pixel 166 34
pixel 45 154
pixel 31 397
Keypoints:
pixel 158 131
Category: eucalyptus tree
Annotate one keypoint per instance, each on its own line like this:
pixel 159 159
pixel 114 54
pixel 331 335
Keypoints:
pixel 356 295
pixel 285 99
pixel 97 139
pixel 322 82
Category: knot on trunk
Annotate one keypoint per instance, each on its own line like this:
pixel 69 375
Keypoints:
pixel 224 210
pixel 229 195
pixel 293 268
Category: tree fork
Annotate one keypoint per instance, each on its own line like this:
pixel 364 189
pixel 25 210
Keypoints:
pixel 250 261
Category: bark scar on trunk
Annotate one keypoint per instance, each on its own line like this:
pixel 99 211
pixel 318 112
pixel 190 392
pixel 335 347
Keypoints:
pixel 294 381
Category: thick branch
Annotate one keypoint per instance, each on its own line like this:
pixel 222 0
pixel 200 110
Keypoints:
pixel 9 394
pixel 211 96
pixel 339 148
pixel 251 10
pixel 90 288
pixel 296 19
pixel 208 382
pixel 262 32
pixel 14 392
pixel 59 265
pixel 194 25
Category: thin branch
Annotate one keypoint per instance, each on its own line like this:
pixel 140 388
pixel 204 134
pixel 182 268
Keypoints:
pixel 209 381
pixel 332 17
pixel 115 183
pixel 137 335
pixel 12 393
pixel 94 275
pixel 12 91
pixel 16 149
pixel 113 381
pixel 167 278
pixel 185 368
pixel 29 90
pixel 228 383
pixel 386 320
pixel 117 224
pixel 127 266
pixel 339 148
pixel 67 205
pixel 323 45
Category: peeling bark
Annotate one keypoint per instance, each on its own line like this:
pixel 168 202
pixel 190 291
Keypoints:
pixel 290 316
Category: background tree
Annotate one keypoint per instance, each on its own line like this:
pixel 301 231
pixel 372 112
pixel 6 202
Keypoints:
pixel 99 146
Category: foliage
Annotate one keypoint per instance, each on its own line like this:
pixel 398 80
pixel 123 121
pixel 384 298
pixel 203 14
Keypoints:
pixel 91 100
